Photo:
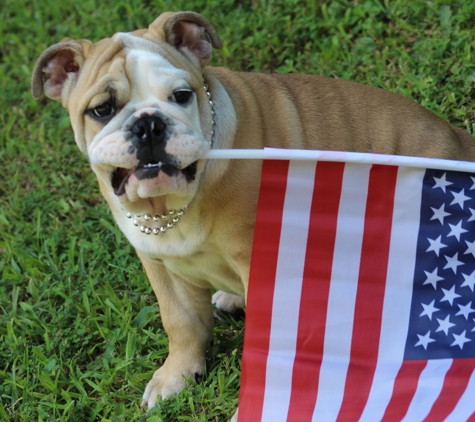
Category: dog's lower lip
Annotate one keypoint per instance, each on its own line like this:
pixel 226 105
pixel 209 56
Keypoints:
pixel 120 176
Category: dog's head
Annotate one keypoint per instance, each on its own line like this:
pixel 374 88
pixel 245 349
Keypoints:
pixel 138 105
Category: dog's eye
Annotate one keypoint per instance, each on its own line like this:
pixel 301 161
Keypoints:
pixel 182 96
pixel 104 110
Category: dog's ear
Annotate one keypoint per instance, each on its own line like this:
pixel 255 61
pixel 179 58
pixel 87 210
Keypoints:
pixel 57 67
pixel 189 32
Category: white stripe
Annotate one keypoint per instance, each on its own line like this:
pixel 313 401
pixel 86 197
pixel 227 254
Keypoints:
pixel 342 295
pixel 398 294
pixel 464 408
pixel 428 389
pixel 341 157
pixel 288 286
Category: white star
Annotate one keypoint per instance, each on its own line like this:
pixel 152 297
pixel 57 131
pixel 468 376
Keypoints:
pixel 429 309
pixel 469 280
pixel 473 329
pixel 472 217
pixel 432 278
pixel 441 182
pixel 453 262
pixel 435 245
pixel 465 310
pixel 460 339
pixel 424 340
pixel 473 181
pixel 456 230
pixel 459 198
pixel 445 325
pixel 450 295
pixel 470 249
pixel 440 214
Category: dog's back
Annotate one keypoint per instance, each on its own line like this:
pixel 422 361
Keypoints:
pixel 316 112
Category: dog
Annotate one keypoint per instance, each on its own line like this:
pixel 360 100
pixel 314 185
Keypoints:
pixel 145 109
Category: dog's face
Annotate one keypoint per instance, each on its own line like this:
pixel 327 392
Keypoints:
pixel 138 107
pixel 142 126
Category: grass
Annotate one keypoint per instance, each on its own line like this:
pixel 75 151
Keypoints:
pixel 80 331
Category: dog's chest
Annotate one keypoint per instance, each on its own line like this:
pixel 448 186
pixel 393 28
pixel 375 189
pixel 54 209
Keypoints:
pixel 207 269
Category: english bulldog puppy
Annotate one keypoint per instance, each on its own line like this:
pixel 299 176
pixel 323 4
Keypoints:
pixel 145 109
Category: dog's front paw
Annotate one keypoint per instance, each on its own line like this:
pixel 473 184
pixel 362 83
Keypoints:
pixel 235 417
pixel 228 302
pixel 166 382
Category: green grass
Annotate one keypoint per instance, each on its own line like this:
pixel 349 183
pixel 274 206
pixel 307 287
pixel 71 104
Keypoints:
pixel 80 331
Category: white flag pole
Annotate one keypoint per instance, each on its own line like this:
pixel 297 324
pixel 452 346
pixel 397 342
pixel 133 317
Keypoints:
pixel 340 156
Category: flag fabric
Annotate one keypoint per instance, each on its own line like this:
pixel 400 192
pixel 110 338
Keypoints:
pixel 361 301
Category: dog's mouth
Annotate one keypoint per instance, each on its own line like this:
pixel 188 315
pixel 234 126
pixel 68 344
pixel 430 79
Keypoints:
pixel 120 176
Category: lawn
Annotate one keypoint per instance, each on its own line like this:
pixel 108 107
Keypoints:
pixel 80 330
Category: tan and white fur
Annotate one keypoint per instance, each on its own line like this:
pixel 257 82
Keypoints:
pixel 119 90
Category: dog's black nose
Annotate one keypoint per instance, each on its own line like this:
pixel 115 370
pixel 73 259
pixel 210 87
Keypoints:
pixel 149 130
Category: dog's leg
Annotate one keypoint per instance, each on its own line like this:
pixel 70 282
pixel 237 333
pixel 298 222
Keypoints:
pixel 187 317
pixel 235 417
pixel 227 302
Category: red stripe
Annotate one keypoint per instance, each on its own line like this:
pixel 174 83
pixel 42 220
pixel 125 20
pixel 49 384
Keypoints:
pixel 261 287
pixel 405 387
pixel 455 383
pixel 471 418
pixel 315 290
pixel 370 293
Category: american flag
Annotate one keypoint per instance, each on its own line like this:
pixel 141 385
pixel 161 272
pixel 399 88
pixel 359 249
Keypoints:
pixel 361 302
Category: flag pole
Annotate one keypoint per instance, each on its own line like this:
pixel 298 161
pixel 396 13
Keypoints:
pixel 340 156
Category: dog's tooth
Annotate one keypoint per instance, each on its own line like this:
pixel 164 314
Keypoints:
pixel 152 165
